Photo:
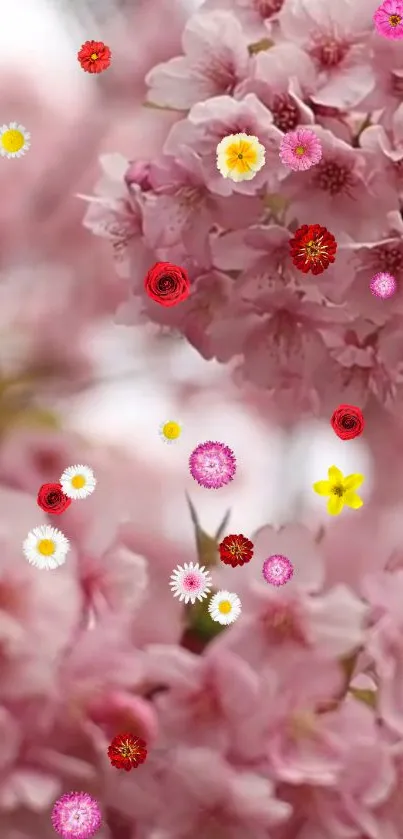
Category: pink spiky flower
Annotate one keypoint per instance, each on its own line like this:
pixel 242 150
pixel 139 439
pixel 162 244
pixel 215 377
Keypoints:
pixel 212 464
pixel 383 285
pixel 300 149
pixel 277 570
pixel 388 19
pixel 76 815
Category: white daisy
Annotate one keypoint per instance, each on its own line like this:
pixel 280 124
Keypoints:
pixel 170 431
pixel 240 157
pixel 190 582
pixel 225 607
pixel 78 481
pixel 46 547
pixel 14 140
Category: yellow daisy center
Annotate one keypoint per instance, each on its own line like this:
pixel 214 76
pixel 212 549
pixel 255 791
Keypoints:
pixel 46 547
pixel 171 430
pixel 300 150
pixel 94 56
pixel 337 489
pixel 394 20
pixel 78 482
pixel 12 140
pixel 224 607
pixel 241 155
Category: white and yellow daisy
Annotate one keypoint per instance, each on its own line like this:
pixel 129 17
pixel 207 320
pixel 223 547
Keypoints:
pixel 170 431
pixel 240 157
pixel 14 140
pixel 225 607
pixel 78 481
pixel 46 547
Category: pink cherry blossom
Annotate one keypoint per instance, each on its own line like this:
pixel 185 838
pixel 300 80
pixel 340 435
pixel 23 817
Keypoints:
pixel 335 38
pixel 216 59
pixel 206 125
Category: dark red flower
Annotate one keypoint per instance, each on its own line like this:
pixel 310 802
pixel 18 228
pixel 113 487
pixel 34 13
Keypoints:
pixel 347 422
pixel 167 284
pixel 94 56
pixel 52 499
pixel 313 248
pixel 235 550
pixel 127 751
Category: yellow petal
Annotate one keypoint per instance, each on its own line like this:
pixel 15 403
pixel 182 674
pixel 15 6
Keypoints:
pixel 334 475
pixel 322 487
pixel 352 482
pixel 335 505
pixel 353 500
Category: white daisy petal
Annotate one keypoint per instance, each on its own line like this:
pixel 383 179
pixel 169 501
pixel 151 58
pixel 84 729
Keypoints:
pixel 46 547
pixel 190 582
pixel 14 140
pixel 78 481
pixel 225 607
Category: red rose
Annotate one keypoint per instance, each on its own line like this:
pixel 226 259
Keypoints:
pixel 347 422
pixel 167 284
pixel 52 499
pixel 235 550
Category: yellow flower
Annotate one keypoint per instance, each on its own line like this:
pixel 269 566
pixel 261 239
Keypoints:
pixel 240 157
pixel 340 490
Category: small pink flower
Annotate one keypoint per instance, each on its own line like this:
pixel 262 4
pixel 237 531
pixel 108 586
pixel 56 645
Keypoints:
pixel 388 19
pixel 383 285
pixel 212 465
pixel 190 582
pixel 277 570
pixel 300 149
pixel 76 815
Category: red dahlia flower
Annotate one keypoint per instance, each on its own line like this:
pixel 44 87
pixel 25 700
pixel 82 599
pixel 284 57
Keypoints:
pixel 94 56
pixel 235 550
pixel 127 751
pixel 313 248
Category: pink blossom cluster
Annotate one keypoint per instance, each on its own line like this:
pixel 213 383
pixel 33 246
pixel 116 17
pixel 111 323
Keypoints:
pixel 267 67
pixel 287 724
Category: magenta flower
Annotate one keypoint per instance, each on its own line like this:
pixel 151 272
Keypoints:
pixel 212 465
pixel 383 285
pixel 388 19
pixel 76 815
pixel 277 570
pixel 300 149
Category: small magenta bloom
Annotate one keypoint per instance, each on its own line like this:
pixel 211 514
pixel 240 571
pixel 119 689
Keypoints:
pixel 300 149
pixel 388 19
pixel 76 815
pixel 383 285
pixel 277 570
pixel 212 465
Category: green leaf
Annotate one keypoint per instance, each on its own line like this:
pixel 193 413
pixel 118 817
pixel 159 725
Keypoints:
pixel 206 546
pixel 200 623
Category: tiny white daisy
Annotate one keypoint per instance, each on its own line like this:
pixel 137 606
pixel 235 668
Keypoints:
pixel 170 431
pixel 224 607
pixel 190 582
pixel 78 481
pixel 46 547
pixel 14 140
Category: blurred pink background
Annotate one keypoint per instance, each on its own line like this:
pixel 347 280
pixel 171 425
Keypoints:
pixel 99 646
